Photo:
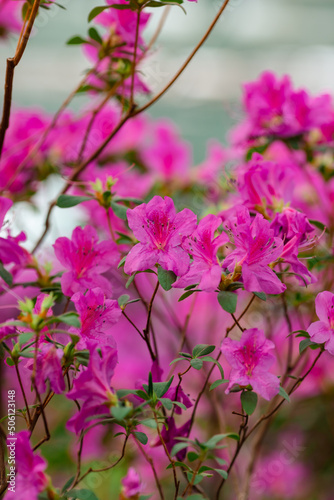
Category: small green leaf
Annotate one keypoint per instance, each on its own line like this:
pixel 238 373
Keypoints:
pixel 68 201
pixel 284 394
pixel 160 388
pixel 81 495
pixel 187 294
pixel 192 456
pixel 261 295
pixel 94 34
pixel 122 300
pixel 96 11
pixel 166 403
pixel 178 447
pixel 304 344
pixel 196 363
pixel 76 40
pixel 70 318
pixel 176 360
pixel 119 210
pixel 217 383
pixel 228 301
pixel 142 438
pixel 317 224
pixel 166 278
pixel 212 442
pixel 5 275
pixel 120 412
pixel 202 350
pixel 249 401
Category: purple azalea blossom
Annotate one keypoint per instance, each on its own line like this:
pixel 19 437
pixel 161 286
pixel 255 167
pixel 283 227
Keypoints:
pixel 49 367
pixel 93 388
pixel 30 478
pixel 97 315
pixel 131 485
pixel 256 248
pixel 85 258
pixel 160 231
pixel 322 332
pixel 250 360
pixel 203 245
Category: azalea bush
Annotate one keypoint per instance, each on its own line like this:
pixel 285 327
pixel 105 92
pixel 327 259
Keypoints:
pixel 179 342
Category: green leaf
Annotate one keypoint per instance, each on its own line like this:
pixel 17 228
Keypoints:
pixel 81 495
pixel 122 300
pixel 142 438
pixel 217 383
pixel 160 388
pixel 70 318
pixel 119 210
pixel 176 360
pixel 197 479
pixel 317 224
pixel 149 422
pixel 222 473
pixel 261 295
pixel 178 447
pixel 130 280
pixel 67 484
pixel 212 442
pixel 192 456
pixel 5 275
pixel 196 363
pixel 137 201
pixel 94 34
pixel 304 344
pixel 68 201
pixel 167 403
pixel 96 11
pixel 120 412
pixel 76 40
pixel 187 294
pixel 212 360
pixel 284 394
pixel 202 350
pixel 166 278
pixel 249 401
pixel 228 301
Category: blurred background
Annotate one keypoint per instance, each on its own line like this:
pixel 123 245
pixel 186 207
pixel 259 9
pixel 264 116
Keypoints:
pixel 286 36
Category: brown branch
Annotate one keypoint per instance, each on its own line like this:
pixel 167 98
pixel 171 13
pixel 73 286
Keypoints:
pixel 12 62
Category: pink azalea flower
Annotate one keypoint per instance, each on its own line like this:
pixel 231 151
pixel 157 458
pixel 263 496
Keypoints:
pixel 97 315
pixel 266 185
pixel 123 22
pixel 170 434
pixel 322 332
pixel 256 248
pixel 85 258
pixel 9 17
pixel 92 387
pixel 203 246
pixel 250 360
pixel 48 367
pixel 160 231
pixel 275 108
pixel 290 223
pixel 30 478
pixel 132 485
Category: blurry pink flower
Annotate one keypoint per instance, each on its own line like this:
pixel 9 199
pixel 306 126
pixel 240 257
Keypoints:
pixel 30 479
pixel 203 246
pixel 10 251
pixel 85 258
pixel 132 485
pixel 322 332
pixel 160 231
pixel 169 434
pixel 290 223
pixel 256 248
pixel 266 185
pixel 169 157
pixel 250 360
pixel 92 387
pixel 97 315
pixel 49 367
pixel 9 17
